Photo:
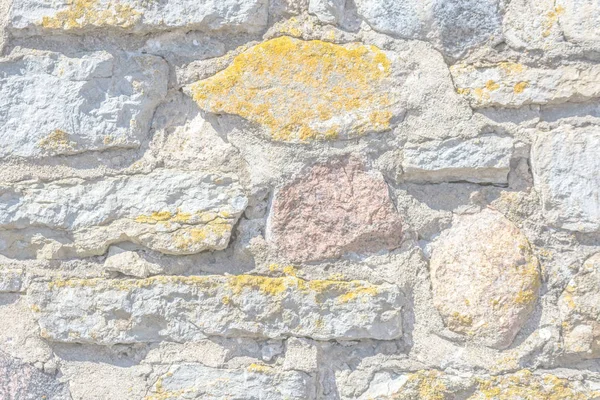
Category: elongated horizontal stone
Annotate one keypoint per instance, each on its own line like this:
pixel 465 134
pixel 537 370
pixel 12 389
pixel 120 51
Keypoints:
pixel 190 308
pixel 484 159
pixel 302 90
pixel 579 306
pixel 434 385
pixel 485 278
pixel 333 210
pixel 580 20
pixel 515 85
pixel 82 16
pixel 52 104
pixel 565 165
pixel 171 211
pixel 257 381
pixel 452 25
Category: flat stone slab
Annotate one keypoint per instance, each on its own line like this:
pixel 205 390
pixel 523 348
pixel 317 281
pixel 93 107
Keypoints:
pixel 83 16
pixel 184 309
pixel 514 85
pixel 483 159
pixel 171 211
pixel 257 381
pixel 51 104
pixel 485 278
pixel 565 166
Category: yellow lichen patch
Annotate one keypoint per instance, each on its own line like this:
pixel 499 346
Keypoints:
pixel 551 19
pixel 57 140
pixel 428 384
pixel 511 68
pixel 84 13
pixel 457 320
pixel 191 237
pixel 260 368
pixel 520 87
pixel 525 385
pixel 164 216
pixel 491 85
pixel 303 90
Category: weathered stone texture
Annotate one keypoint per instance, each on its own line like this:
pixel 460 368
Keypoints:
pixel 83 16
pixel 299 90
pixel 171 211
pixel 484 159
pixel 454 26
pixel 53 104
pixel 485 278
pixel 579 20
pixel 190 308
pixel 565 166
pixel 24 382
pixel 332 210
pixel 257 381
pixel 580 310
pixel 514 85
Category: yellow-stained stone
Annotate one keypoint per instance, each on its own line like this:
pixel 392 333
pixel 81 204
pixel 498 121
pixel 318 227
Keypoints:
pixel 82 13
pixel 302 90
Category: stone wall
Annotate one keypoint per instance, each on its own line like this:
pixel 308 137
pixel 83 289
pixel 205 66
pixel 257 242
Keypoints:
pixel 301 200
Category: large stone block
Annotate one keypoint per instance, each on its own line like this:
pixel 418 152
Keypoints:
pixel 174 212
pixel 332 210
pixel 83 16
pixel 514 85
pixel 579 306
pixel 191 308
pixel 453 26
pixel 301 90
pixel 53 104
pixel 565 165
pixel 485 278
pixel 485 159
pixel 256 382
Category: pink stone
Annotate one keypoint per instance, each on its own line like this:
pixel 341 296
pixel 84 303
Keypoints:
pixel 334 209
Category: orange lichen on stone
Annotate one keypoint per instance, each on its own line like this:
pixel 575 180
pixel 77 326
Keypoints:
pixel 302 90
pixel 84 13
pixel 520 87
pixel 551 20
pixel 57 140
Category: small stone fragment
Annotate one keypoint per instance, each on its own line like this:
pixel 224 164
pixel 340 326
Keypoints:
pixel 301 355
pixel 196 381
pixel 328 11
pixel 484 159
pixel 565 166
pixel 302 90
pixel 11 280
pixel 514 85
pixel 171 211
pixel 30 17
pixel 54 104
pixel 130 263
pixel 185 309
pixel 332 210
pixel 485 278
pixel 579 306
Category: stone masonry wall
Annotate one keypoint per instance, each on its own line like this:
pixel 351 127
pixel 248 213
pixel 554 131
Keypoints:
pixel 300 199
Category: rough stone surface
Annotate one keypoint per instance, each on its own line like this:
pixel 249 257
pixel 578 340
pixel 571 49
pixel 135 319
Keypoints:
pixel 301 90
pixel 189 308
pixel 453 25
pixel 170 211
pixel 565 162
pixel 257 381
pixel 299 199
pixel 25 382
pixel 579 307
pixel 53 104
pixel 82 16
pixel 484 159
pixel 485 278
pixel 514 85
pixel 333 210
